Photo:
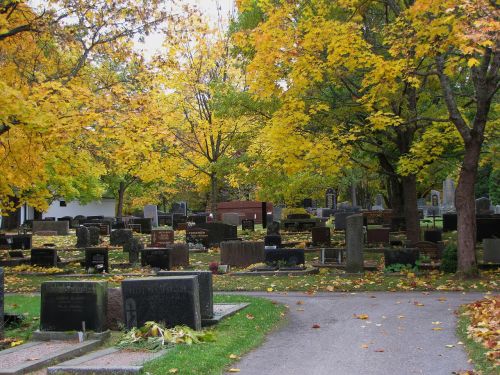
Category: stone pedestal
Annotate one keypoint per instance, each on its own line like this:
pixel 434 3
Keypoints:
pixel 491 247
pixel 354 241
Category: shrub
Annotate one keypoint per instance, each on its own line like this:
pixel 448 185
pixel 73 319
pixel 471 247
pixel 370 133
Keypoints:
pixel 450 258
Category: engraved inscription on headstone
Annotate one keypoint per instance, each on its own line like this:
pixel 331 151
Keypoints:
pixel 44 257
pixel 162 237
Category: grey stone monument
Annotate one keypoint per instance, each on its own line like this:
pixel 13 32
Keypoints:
pixel 231 218
pixel 1 303
pixel 151 212
pixel 449 194
pixel 82 237
pixel 379 202
pixel 354 242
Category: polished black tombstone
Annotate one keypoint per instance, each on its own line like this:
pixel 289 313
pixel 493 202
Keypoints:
pixel 197 236
pixel 97 258
pixel 248 224
pixel 401 256
pixel 321 236
pixel 156 257
pixel 170 300
pixel 119 237
pixel 68 305
pixel 290 257
pixel 44 257
pixel 272 240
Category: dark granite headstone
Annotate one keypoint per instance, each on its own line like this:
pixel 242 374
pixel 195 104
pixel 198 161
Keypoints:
pixel 218 232
pixel 94 233
pixel 145 223
pixel 20 242
pixel 66 304
pixel 96 217
pixel 340 219
pixel 272 240
pixel 197 236
pixel 133 247
pixel 82 237
pixel 197 218
pixel 487 227
pixel 170 300
pixel 483 206
pixel 248 224
pixel 433 235
pixel 61 227
pixel 292 257
pixel 119 237
pixel 377 235
pixel 44 257
pixel 401 256
pixel 273 228
pixel 162 237
pixel 156 257
pixel 449 222
pixel 321 236
pixel 206 289
pixel 1 304
pixel 178 254
pixel 97 258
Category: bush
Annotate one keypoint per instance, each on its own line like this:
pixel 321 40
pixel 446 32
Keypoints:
pixel 450 258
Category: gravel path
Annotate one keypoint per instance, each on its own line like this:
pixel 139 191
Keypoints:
pixel 403 333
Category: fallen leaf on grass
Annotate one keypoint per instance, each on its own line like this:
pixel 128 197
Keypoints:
pixel 361 316
pixel 173 371
pixel 250 316
pixel 269 290
pixel 234 370
pixel 233 356
pixel 330 288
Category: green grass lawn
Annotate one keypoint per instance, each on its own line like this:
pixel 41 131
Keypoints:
pixel 235 336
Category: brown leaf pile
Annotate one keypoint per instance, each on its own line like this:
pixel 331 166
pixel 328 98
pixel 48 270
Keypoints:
pixel 485 325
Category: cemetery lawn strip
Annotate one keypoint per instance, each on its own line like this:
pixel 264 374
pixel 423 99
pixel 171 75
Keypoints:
pixel 26 305
pixel 476 351
pixel 235 336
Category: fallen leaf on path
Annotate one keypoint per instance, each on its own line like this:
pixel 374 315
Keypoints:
pixel 436 323
pixel 300 309
pixel 437 329
pixel 379 350
pixel 450 346
pixel 401 317
pixel 316 326
pixel 361 316
pixel 233 356
pixel 364 346
pixel 234 370
pixel 269 290
pixel 300 302
pixel 33 359
pixel 330 288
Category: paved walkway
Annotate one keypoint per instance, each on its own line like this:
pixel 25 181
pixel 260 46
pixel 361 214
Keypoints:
pixel 397 338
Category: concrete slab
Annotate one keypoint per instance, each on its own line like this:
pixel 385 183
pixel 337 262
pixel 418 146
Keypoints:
pixel 223 310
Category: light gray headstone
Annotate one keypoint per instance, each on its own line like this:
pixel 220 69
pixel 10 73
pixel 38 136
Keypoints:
pixel 448 193
pixel 491 247
pixel 354 242
pixel 231 218
pixel 151 212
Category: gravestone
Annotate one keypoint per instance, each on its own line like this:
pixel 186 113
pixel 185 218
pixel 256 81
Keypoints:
pixel 115 309
pixel 162 237
pixel 491 250
pixel 487 227
pixel 273 228
pixel 151 212
pixel 43 257
pixel 133 247
pixel 292 257
pixel 179 208
pixel 178 254
pixel 145 223
pixel 61 227
pixel 66 304
pixel 82 237
pixel 379 202
pixel 432 250
pixel 231 218
pixel 241 253
pixel 378 235
pixel 97 258
pixel 218 232
pixel 46 233
pixel 119 237
pixel 434 209
pixel 483 206
pixel 248 224
pixel 197 236
pixel 449 194
pixel 401 256
pixel 104 229
pixel 272 240
pixel 1 303
pixel 330 198
pixel 321 236
pixel 156 257
pixel 354 243
pixel 433 235
pixel 205 286
pixel 94 233
pixel 340 219
pixel 449 222
pixel 170 300
pixel 135 227
pixel 21 242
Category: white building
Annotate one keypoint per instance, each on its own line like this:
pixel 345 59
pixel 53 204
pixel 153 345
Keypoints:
pixel 105 207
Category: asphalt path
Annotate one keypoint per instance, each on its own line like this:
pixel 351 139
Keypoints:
pixel 403 333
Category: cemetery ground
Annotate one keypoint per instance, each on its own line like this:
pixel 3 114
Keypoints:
pixel 246 330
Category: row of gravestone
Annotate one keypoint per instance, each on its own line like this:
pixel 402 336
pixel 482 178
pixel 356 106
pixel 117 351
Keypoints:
pixel 487 226
pixel 172 298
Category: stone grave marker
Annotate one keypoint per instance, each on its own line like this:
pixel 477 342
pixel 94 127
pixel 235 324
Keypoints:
pixel 354 242
pixel 231 218
pixel 162 237
pixel 66 304
pixel 248 224
pixel 205 286
pixel 433 235
pixel 197 236
pixel 104 229
pixel 487 227
pixel 401 256
pixel 133 247
pixel 449 194
pixel 272 240
pixel 82 237
pixel 44 257
pixel 1 303
pixel 331 198
pixel 292 257
pixel 378 235
pixel 241 253
pixel 218 232
pixel 491 250
pixel 273 228
pixel 61 227
pixel 178 254
pixel 97 258
pixel 341 219
pixel 146 224
pixel 151 212
pixel 156 257
pixel 321 236
pixel 135 227
pixel 21 242
pixel 119 237
pixel 483 206
pixel 94 233
pixel 170 300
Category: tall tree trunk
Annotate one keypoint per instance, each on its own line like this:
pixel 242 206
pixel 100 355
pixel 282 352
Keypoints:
pixel 121 195
pixel 466 209
pixel 410 208
pixel 213 194
pixel 395 196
